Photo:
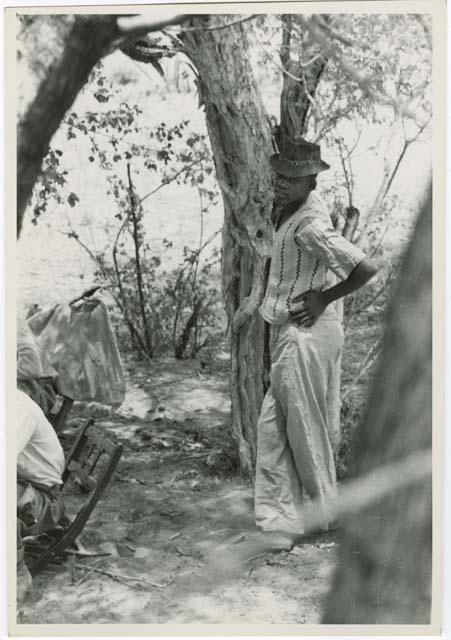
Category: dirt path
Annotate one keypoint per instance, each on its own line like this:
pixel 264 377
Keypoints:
pixel 173 506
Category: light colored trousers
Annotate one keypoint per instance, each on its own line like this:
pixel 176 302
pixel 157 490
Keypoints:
pixel 298 429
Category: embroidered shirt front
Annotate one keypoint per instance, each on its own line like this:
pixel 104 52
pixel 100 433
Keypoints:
pixel 307 255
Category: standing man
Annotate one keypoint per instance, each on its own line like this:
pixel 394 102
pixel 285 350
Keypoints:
pixel 298 429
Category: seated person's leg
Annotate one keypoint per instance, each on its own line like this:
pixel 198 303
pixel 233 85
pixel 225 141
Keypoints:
pixel 40 509
pixel 23 583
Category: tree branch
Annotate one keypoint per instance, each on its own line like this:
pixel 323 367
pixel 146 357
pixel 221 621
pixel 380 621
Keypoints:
pixel 137 26
pixel 220 27
pixel 317 32
pixel 88 40
pixel 348 178
pixel 336 35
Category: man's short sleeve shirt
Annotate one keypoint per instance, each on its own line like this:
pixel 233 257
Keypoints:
pixel 307 251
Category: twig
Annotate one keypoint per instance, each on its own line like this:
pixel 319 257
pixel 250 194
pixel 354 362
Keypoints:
pixel 74 235
pixel 345 172
pixel 389 178
pixel 89 572
pixel 170 179
pixel 407 143
pixel 121 578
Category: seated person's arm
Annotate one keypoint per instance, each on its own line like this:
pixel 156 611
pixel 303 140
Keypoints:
pixel 25 426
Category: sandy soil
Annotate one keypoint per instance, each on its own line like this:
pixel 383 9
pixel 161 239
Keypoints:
pixel 173 520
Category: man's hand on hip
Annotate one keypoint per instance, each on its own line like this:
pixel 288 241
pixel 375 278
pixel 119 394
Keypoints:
pixel 308 307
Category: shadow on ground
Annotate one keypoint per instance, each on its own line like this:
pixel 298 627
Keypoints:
pixel 174 505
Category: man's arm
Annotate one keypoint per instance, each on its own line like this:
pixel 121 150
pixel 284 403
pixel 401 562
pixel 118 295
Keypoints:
pixel 315 302
pixel 358 277
pixel 25 420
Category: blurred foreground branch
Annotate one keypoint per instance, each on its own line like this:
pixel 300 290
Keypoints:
pixel 385 562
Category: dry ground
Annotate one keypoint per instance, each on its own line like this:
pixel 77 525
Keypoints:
pixel 174 506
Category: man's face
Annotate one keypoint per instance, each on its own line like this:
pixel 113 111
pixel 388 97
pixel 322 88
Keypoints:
pixel 288 190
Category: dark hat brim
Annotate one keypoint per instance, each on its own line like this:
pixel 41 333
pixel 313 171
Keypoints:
pixel 290 170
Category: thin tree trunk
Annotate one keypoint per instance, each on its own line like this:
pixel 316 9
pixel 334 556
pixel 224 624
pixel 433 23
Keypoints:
pixel 299 84
pixel 136 339
pixel 240 137
pixel 384 570
pixel 135 211
pixel 191 323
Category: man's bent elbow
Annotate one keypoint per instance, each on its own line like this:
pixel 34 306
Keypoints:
pixel 368 269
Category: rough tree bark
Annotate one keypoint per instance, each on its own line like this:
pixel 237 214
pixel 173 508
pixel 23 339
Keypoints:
pixel 241 141
pixel 384 574
pixel 90 38
pixel 300 80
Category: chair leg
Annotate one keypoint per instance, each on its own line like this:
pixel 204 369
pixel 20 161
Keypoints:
pixel 76 527
pixel 77 448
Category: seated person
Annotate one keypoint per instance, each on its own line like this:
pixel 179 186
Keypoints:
pixel 34 376
pixel 40 465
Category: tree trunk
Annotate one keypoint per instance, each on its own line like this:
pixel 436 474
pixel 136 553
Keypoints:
pixel 299 84
pixel 240 137
pixel 136 213
pixel 85 44
pixel 90 38
pixel 384 573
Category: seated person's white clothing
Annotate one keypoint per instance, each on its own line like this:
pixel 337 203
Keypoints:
pixel 40 456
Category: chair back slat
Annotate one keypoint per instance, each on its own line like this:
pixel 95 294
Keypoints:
pixel 93 476
pixel 86 481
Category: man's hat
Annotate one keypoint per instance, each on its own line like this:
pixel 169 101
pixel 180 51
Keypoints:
pixel 298 158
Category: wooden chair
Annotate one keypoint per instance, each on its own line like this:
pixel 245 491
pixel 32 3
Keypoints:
pixel 58 419
pixel 89 465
